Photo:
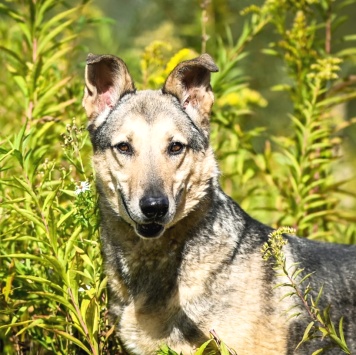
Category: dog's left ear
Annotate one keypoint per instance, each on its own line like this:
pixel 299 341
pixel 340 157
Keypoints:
pixel 190 83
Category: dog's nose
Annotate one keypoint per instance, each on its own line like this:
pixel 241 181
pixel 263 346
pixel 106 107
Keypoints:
pixel 154 207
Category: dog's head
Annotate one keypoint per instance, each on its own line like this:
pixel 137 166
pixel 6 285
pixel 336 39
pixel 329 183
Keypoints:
pixel 152 157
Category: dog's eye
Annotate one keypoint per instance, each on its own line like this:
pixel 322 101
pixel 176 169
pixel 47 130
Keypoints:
pixel 124 148
pixel 175 148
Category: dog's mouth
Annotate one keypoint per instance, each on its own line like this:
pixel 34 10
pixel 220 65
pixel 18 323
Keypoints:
pixel 151 230
pixel 144 230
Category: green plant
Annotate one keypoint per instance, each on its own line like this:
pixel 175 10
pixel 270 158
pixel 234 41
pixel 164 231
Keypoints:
pixel 301 168
pixel 53 290
pixel 213 346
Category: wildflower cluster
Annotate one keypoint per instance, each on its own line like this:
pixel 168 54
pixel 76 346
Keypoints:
pixel 158 60
pixel 276 242
pixel 325 69
pixel 242 99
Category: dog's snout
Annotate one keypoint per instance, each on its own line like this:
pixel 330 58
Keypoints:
pixel 154 207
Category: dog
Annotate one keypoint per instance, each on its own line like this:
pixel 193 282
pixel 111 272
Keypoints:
pixel 182 258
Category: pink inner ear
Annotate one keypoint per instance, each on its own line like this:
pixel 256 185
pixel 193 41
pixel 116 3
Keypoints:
pixel 104 100
pixel 186 102
pixel 107 98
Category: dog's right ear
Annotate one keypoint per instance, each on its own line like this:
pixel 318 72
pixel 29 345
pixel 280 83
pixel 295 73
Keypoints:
pixel 107 79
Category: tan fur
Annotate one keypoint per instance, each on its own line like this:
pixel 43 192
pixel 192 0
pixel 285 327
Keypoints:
pixel 182 258
pixel 149 328
pixel 193 170
pixel 121 178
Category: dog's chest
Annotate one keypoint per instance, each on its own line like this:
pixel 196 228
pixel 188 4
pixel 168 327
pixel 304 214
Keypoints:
pixel 151 274
pixel 169 307
pixel 166 305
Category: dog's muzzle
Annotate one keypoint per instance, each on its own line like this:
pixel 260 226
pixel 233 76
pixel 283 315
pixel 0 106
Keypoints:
pixel 154 211
pixel 154 208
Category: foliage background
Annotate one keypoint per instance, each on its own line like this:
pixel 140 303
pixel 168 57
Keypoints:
pixel 282 127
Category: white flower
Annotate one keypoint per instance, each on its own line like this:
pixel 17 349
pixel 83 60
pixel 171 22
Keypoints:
pixel 81 289
pixel 84 186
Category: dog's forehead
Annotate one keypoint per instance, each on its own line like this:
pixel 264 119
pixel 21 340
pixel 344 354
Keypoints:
pixel 145 113
pixel 149 104
pixel 151 108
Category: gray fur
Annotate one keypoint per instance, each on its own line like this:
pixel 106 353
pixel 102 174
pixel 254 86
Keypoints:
pixel 198 265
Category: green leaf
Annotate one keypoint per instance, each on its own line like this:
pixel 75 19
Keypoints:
pixel 70 244
pixel 289 294
pixel 306 335
pixel 165 350
pixel 296 273
pixel 56 298
pixel 55 57
pixel 305 278
pixel 294 315
pixel 87 261
pixel 341 330
pixel 40 280
pixel 49 94
pixel 13 55
pixel 30 216
pixel 224 350
pixel 49 199
pixel 69 337
pixel 27 187
pixel 59 107
pixel 102 286
pixel 339 343
pixel 7 290
pixel 22 84
pixel 202 347
pixel 26 30
pixel 281 87
pixel 92 320
pixel 56 20
pixel 15 324
pixel 57 264
pixel 32 324
pixel 270 51
pixel 314 216
pixel 42 8
pixel 10 12
pixel 348 52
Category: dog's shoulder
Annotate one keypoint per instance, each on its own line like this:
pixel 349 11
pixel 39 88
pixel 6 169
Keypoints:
pixel 322 253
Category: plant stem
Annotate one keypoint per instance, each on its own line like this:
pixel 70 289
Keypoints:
pixel 204 19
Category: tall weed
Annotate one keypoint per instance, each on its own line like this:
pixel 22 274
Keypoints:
pixel 53 291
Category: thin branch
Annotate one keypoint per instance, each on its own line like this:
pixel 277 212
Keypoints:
pixel 328 31
pixel 204 20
